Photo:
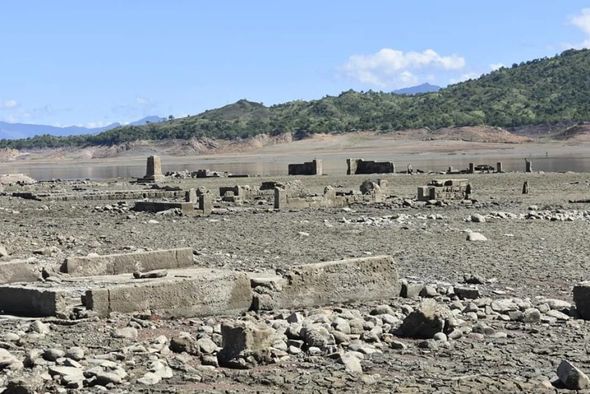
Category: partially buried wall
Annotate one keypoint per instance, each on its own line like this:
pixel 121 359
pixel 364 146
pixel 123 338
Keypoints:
pixel 351 280
pixel 204 205
pixel 360 166
pixel 308 168
pixel 444 189
pixel 284 198
pixel 186 291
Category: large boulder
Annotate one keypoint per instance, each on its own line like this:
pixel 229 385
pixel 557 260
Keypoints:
pixel 245 344
pixel 428 319
pixel 369 187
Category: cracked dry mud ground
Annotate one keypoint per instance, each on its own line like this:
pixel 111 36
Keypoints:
pixel 525 258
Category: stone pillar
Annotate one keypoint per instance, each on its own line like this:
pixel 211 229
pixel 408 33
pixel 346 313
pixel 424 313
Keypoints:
pixel 528 165
pixel 471 168
pixel 280 198
pixel 351 165
pixel 205 203
pixel 392 167
pixel 318 168
pixel 525 188
pixel 499 167
pixel 153 169
pixel 190 195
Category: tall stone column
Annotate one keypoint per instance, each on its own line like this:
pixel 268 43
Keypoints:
pixel 153 171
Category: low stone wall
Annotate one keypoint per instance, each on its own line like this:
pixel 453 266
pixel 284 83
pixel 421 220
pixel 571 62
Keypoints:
pixel 236 193
pixel 180 290
pixel 99 195
pixel 159 206
pixel 285 199
pixel 360 166
pixel 446 189
pixel 308 168
pixel 204 205
pixel 115 264
pixel 33 302
pixel 199 292
pixel 351 280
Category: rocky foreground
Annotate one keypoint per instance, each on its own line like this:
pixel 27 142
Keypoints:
pixel 486 301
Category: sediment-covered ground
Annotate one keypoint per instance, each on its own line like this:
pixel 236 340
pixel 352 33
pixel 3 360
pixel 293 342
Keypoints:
pixel 509 337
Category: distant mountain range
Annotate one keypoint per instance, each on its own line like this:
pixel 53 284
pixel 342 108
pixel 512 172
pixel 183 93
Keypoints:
pixel 24 130
pixel 418 89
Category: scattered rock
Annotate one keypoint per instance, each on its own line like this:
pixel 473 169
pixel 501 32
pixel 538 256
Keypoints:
pixel 429 319
pixel 571 377
pixel 351 363
pixel 474 236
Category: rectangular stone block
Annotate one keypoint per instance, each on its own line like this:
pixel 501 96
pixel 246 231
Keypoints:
pixel 32 302
pixel 159 206
pixel 352 280
pixel 18 271
pixel 115 264
pixel 191 293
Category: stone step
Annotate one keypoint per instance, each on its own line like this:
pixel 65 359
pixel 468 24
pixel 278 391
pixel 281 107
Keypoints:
pixel 183 293
pixel 115 264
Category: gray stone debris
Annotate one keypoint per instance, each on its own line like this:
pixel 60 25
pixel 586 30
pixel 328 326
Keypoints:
pixel 245 344
pixel 351 362
pixel 429 319
pixel 475 236
pixel 571 377
pixel 9 361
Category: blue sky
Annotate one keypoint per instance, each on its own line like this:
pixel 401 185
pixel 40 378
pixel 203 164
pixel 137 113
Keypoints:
pixel 92 63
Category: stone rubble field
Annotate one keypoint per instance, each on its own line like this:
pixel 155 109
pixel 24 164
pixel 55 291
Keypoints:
pixel 486 291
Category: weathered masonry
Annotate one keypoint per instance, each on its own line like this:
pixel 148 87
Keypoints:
pixel 313 167
pixel 360 166
pixel 99 195
pixel 444 189
pixel 286 198
pixel 176 288
pixel 204 204
pixel 153 171
pixel 236 193
pixel 352 280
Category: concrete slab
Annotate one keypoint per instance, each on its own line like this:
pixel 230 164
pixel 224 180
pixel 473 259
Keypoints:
pixel 19 271
pixel 334 282
pixel 159 206
pixel 115 264
pixel 184 293
pixel 32 301
pixel 188 292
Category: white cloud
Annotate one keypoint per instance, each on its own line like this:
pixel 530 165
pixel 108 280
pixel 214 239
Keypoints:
pixel 8 104
pixel 582 22
pixel 393 68
pixel 496 66
pixel 465 77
